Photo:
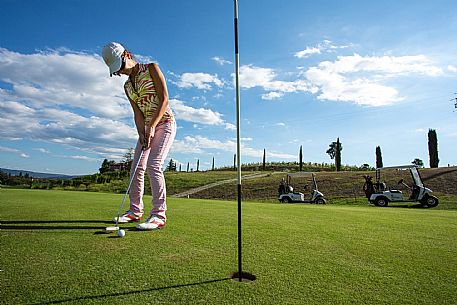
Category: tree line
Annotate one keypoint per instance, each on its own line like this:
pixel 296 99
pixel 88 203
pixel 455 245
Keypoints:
pixel 334 152
pixel 106 176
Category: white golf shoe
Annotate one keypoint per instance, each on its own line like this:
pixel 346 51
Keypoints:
pixel 127 217
pixel 152 223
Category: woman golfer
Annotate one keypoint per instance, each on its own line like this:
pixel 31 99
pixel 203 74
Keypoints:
pixel 147 92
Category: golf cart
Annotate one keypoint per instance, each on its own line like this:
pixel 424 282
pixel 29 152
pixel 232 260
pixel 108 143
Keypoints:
pixel 378 194
pixel 287 194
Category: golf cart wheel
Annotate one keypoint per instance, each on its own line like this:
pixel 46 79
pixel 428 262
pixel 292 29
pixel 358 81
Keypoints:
pixel 431 201
pixel 381 202
pixel 286 200
pixel 320 201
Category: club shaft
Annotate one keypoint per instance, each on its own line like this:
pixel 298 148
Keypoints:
pixel 129 186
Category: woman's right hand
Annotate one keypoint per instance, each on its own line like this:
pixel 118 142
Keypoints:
pixel 142 139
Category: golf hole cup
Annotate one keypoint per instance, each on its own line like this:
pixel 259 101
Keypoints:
pixel 121 233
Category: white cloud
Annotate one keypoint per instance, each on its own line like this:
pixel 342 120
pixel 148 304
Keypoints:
pixel 143 58
pixel 85 158
pixel 359 79
pixel 8 149
pixel 186 145
pixel 13 151
pixel 272 95
pixel 251 76
pixel 452 68
pixel 47 91
pixel 63 127
pixel 325 46
pixel 387 65
pixel 58 78
pixel 277 155
pixel 196 115
pixel 43 150
pixel 201 81
pixel 307 52
pixel 230 126
pixel 63 97
pixel 113 150
pixel 252 152
pixel 218 95
pixel 220 61
pixel 329 45
pixel 199 144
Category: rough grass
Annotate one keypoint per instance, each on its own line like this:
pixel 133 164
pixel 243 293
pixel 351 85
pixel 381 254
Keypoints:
pixel 341 186
pixel 181 181
pixel 51 253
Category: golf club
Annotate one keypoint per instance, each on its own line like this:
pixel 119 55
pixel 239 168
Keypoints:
pixel 116 227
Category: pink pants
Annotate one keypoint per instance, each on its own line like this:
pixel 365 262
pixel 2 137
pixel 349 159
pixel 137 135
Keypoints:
pixel 152 160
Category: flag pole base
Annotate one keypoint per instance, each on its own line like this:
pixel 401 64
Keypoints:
pixel 243 277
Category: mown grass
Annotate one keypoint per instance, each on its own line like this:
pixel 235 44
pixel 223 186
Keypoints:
pixel 51 253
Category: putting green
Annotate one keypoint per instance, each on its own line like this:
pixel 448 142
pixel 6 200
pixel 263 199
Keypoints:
pixel 53 250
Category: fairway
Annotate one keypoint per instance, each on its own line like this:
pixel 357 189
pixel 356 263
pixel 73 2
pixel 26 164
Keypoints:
pixel 53 251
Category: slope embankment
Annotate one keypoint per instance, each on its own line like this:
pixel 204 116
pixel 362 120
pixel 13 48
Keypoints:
pixel 264 187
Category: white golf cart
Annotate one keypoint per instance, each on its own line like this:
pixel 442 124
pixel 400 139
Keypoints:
pixel 287 194
pixel 378 194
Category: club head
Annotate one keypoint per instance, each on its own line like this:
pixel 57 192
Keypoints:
pixel 112 229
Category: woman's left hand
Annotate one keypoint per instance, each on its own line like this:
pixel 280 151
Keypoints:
pixel 149 134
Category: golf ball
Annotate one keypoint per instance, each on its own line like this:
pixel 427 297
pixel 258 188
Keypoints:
pixel 121 233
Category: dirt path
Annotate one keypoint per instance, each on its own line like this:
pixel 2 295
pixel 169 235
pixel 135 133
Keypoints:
pixel 190 192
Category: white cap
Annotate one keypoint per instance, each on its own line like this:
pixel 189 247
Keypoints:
pixel 112 55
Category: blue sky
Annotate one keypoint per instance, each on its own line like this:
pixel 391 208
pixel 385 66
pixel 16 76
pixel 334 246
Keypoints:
pixel 369 72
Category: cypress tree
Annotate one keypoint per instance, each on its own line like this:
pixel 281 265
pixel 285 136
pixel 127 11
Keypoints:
pixel 338 155
pixel 264 158
pixel 105 166
pixel 378 157
pixel 301 158
pixel 171 166
pixel 433 148
pixel 198 164
pixel 213 164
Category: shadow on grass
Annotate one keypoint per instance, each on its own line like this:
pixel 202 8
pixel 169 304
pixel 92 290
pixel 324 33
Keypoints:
pixel 126 293
pixel 408 206
pixel 49 224
pixel 52 221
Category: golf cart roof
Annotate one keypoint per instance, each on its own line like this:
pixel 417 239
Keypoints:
pixel 398 167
